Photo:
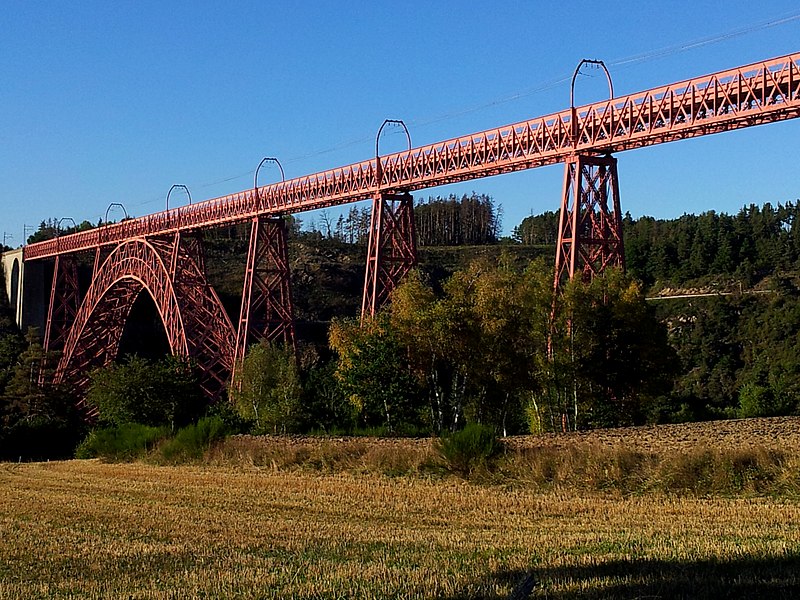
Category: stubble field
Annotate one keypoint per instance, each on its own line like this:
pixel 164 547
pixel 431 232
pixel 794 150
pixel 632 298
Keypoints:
pixel 86 529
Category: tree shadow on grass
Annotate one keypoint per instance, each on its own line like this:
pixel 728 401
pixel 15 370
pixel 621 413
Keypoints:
pixel 769 577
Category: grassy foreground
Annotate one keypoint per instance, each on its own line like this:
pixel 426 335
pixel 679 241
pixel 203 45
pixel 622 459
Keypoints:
pixel 86 529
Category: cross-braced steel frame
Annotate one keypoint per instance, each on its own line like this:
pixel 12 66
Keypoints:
pixel 590 223
pixel 170 270
pixel 391 249
pixel 64 302
pixel 267 310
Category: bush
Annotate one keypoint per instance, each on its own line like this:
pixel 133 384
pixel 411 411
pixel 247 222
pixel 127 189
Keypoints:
pixel 40 438
pixel 121 443
pixel 230 417
pixel 325 408
pixel 267 389
pixel 191 442
pixel 473 446
pixel 155 393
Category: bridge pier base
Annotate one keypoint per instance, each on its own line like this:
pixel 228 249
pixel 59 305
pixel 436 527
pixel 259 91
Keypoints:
pixel 267 309
pixel 590 223
pixel 391 250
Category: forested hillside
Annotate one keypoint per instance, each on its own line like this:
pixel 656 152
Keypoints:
pixel 471 336
pixel 738 353
pixel 747 247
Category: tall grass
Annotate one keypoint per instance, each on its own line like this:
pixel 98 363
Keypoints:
pixel 700 472
pixel 124 442
pixel 582 467
pixel 392 457
pixel 190 443
pixel 473 454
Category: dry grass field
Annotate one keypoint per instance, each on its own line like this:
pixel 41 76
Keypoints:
pixel 86 529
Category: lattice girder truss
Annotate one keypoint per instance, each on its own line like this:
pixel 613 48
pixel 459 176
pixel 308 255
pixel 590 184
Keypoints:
pixel 64 302
pixel 754 94
pixel 391 249
pixel 590 223
pixel 210 335
pixel 267 310
pixel 170 271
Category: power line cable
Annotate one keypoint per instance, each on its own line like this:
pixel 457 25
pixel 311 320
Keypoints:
pixel 548 85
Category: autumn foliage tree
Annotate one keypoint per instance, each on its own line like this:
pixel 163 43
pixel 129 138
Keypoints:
pixel 267 390
pixel 374 374
pixel 491 349
pixel 475 348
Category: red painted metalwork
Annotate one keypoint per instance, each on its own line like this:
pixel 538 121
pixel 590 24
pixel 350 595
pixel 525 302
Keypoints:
pixel 391 251
pixel 171 271
pixel 62 309
pixel 64 302
pixel 590 223
pixel 762 92
pixel 267 310
pixel 210 335
pixel 100 255
pixel 152 252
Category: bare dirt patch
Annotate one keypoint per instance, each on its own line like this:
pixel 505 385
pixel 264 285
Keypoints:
pixel 737 434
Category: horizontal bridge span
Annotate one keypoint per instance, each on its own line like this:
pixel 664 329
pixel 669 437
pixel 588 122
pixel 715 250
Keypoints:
pixel 758 93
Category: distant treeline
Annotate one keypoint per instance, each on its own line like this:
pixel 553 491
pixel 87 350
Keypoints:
pixel 470 220
pixel 537 230
pixel 51 228
pixel 467 221
pixel 755 242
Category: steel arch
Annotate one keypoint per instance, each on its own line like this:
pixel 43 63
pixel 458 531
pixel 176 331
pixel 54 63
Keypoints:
pixel 190 319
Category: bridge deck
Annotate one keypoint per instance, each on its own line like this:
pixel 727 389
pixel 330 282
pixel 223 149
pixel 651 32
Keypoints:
pixel 758 93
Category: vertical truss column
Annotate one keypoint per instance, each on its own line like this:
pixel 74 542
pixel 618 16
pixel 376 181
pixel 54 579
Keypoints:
pixel 100 255
pixel 391 251
pixel 64 302
pixel 267 310
pixel 590 223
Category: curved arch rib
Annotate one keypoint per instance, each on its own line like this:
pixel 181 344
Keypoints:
pixel 194 320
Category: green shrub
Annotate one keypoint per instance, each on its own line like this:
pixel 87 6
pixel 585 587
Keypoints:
pixel 123 442
pixel 756 401
pixel 233 421
pixel 155 393
pixel 473 446
pixel 40 438
pixel 192 441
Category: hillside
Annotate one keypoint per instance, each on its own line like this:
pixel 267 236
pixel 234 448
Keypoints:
pixel 328 275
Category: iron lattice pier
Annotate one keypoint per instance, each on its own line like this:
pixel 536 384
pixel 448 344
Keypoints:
pixel 160 253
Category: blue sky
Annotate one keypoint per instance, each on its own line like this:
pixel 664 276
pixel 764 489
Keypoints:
pixel 105 102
